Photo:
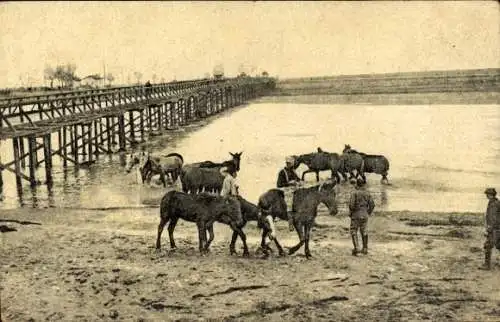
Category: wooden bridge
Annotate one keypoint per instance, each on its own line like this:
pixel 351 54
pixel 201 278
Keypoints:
pixel 93 122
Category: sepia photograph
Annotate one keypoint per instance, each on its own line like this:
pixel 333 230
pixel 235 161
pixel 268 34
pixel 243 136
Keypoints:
pixel 250 161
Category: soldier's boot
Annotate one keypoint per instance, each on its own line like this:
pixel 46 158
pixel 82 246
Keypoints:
pixel 355 243
pixel 487 260
pixel 365 244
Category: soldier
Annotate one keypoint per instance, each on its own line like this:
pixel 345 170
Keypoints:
pixel 492 225
pixel 361 206
pixel 287 181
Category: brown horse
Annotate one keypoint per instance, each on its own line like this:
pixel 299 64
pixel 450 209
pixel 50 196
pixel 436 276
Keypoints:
pixel 378 164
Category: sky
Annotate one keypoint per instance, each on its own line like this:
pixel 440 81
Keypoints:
pixel 185 40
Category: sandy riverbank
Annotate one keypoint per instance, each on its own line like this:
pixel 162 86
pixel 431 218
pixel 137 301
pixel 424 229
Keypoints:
pixel 88 265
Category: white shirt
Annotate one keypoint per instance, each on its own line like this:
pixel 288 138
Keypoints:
pixel 229 186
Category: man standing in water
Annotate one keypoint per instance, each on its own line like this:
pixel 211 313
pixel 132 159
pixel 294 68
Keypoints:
pixel 230 186
pixel 287 181
pixel 492 225
pixel 361 206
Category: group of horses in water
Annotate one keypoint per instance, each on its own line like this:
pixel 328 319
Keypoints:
pixel 200 202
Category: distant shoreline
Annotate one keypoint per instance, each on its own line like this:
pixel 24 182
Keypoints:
pixel 465 98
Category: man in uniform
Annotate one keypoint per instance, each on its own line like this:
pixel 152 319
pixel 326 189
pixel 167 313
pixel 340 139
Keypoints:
pixel 492 225
pixel 361 206
pixel 288 181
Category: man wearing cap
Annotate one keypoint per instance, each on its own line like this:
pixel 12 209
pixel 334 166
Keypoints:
pixel 492 225
pixel 361 206
pixel 287 181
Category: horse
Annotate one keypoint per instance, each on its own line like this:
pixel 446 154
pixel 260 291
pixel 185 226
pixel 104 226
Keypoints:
pixel 137 158
pixel 165 164
pixel 320 161
pixel 206 175
pixel 305 208
pixel 204 210
pixel 351 162
pixel 195 179
pixel 378 164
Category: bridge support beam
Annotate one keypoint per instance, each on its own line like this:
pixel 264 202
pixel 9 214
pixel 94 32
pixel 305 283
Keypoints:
pixel 47 154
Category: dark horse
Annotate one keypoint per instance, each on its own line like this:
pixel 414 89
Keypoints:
pixel 320 161
pixel 271 205
pixel 372 163
pixel 206 175
pixel 204 210
pixel 305 208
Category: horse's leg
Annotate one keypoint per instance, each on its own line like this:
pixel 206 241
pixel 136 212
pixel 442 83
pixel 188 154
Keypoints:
pixel 337 177
pixel 171 227
pixel 202 236
pixel 307 235
pixel 361 173
pixel 265 248
pixel 210 229
pixel 162 179
pixel 163 222
pixel 344 175
pixel 304 173
pixel 281 252
pixel 232 246
pixel 243 238
pixel 299 228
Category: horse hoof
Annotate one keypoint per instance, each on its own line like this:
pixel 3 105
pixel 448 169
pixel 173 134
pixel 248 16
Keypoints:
pixel 282 254
pixel 309 256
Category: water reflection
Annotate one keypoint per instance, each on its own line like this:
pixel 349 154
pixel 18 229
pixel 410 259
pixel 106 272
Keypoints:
pixel 383 196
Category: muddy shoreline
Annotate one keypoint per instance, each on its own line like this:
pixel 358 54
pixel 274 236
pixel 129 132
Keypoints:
pixel 88 265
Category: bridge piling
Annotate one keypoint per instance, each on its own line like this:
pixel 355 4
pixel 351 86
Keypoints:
pixel 32 159
pixel 17 163
pixel 131 122
pixel 64 147
pixel 121 132
pixel 47 153
pixel 97 144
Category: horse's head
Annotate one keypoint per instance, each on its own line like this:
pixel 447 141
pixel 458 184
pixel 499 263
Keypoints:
pixel 303 158
pixel 328 197
pixel 347 148
pixel 134 159
pixel 236 159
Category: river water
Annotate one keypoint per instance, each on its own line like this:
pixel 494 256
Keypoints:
pixel 442 156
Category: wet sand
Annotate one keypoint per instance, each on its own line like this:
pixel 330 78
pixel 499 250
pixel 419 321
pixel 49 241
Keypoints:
pixel 89 265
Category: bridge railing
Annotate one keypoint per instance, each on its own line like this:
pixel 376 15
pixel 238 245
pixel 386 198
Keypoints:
pixel 31 109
